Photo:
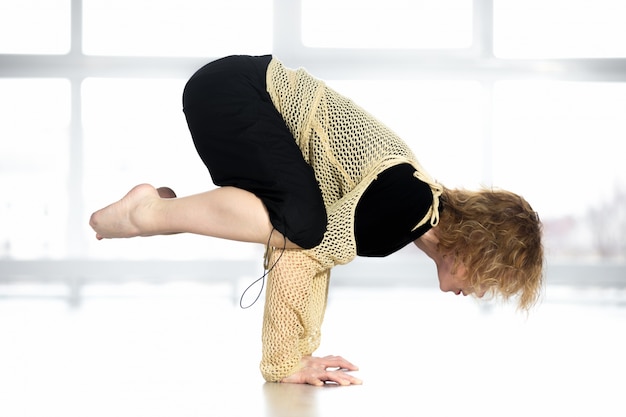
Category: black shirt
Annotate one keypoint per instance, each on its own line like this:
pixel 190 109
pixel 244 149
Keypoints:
pixel 389 209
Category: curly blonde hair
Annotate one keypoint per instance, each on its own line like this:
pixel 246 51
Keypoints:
pixel 496 235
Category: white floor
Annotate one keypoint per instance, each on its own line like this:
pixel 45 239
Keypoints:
pixel 187 350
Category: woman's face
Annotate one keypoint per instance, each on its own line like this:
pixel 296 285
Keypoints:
pixel 451 280
pixel 455 282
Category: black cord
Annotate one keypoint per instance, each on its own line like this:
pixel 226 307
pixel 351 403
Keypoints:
pixel 265 273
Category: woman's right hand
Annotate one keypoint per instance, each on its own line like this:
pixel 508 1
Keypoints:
pixel 318 371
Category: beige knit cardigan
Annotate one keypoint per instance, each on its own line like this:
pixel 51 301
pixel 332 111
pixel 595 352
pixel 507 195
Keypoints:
pixel 347 149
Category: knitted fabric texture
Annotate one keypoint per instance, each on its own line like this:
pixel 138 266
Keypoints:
pixel 347 149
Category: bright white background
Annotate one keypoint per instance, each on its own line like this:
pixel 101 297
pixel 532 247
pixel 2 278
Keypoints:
pixel 73 144
pixel 524 95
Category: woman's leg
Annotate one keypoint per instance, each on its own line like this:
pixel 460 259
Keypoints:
pixel 244 142
pixel 227 213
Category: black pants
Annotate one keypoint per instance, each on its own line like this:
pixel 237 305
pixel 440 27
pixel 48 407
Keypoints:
pixel 244 142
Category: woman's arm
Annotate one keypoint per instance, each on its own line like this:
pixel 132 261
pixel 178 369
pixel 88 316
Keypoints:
pixel 294 310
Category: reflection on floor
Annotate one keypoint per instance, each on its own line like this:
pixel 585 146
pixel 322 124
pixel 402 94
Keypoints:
pixel 188 350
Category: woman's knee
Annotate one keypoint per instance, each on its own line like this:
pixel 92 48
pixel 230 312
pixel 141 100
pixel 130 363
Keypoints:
pixel 307 227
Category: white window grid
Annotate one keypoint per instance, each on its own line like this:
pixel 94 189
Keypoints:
pixel 476 62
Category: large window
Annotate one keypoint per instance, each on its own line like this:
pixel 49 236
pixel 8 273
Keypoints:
pixel 34 164
pixel 90 100
pixel 393 24
pixel 559 29
pixel 176 28
pixel 35 26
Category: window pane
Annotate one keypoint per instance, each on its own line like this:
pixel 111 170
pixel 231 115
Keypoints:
pixel 560 145
pixel 388 24
pixel 177 28
pixel 430 116
pixel 33 167
pixel 559 28
pixel 135 132
pixel 35 26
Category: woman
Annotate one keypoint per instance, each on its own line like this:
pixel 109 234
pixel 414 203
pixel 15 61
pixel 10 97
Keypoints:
pixel 318 180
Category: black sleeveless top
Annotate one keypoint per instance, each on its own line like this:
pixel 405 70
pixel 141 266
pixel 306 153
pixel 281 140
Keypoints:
pixel 388 211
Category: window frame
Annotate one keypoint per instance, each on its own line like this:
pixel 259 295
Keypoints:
pixel 476 62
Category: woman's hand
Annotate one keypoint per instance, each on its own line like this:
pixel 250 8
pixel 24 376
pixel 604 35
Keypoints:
pixel 317 371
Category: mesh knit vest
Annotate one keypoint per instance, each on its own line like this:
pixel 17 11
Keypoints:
pixel 347 149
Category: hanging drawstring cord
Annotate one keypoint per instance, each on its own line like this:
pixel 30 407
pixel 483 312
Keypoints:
pixel 269 251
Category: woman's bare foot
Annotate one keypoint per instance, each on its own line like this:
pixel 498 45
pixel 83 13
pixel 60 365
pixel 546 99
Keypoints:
pixel 128 217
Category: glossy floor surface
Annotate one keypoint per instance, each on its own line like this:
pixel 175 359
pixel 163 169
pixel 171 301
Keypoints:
pixel 188 350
